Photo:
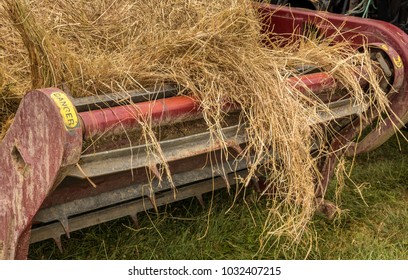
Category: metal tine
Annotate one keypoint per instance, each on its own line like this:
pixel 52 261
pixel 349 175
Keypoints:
pixel 200 200
pixel 65 224
pixel 155 171
pixel 254 181
pixel 135 220
pixel 224 176
pixel 227 183
pixel 235 146
pixel 58 242
pixel 112 212
pixel 152 198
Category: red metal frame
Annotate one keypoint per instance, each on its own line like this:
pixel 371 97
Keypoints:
pixel 35 154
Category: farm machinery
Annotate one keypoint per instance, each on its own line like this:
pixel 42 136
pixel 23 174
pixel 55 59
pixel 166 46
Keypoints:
pixel 46 174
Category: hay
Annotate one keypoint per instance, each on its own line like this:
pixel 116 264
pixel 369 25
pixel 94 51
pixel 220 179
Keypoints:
pixel 213 49
pixel 14 70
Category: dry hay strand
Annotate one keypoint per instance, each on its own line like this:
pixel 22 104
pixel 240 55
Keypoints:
pixel 213 49
pixel 14 70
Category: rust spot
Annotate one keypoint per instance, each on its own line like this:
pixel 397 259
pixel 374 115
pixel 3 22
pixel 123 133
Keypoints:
pixel 18 160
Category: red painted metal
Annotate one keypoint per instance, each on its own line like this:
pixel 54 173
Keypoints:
pixel 316 83
pixel 283 21
pixel 359 32
pixel 36 150
pixel 377 137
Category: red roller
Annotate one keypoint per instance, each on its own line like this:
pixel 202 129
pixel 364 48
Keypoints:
pixel 97 122
pixel 120 118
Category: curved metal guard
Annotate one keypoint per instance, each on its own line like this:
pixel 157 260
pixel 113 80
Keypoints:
pixel 44 140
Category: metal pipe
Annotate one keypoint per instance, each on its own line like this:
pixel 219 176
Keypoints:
pixel 124 118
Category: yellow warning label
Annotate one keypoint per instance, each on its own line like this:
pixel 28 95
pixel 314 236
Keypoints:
pixel 398 61
pixel 67 109
pixel 384 47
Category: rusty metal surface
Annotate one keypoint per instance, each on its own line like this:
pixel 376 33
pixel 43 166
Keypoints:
pixel 64 211
pixel 129 158
pixel 95 102
pixel 131 208
pixel 34 154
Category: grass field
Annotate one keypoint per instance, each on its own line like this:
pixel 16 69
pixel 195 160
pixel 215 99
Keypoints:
pixel 373 224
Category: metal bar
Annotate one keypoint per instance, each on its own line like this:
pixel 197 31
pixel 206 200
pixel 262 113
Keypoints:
pixel 128 158
pixel 341 109
pixel 95 102
pixel 55 230
pixel 86 204
pixel 124 159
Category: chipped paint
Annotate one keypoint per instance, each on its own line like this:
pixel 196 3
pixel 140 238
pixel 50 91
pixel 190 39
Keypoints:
pixel 33 157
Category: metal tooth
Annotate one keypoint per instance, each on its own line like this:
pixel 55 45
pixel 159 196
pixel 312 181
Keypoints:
pixel 227 183
pixel 57 241
pixel 155 171
pixel 123 209
pixel 135 220
pixel 222 174
pixel 236 147
pixel 65 224
pixel 66 89
pixel 152 199
pixel 200 200
pixel 255 183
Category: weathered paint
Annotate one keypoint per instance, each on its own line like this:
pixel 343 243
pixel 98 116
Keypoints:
pixel 360 32
pixel 33 154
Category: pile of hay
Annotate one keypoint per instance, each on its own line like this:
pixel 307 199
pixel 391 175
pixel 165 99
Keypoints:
pixel 211 48
pixel 14 70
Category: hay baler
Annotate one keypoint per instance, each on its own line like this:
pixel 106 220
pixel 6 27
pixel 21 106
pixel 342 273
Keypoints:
pixel 47 168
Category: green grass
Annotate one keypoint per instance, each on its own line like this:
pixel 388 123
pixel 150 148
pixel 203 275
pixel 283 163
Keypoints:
pixel 373 228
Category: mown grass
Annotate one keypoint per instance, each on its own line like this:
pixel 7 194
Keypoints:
pixel 373 225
